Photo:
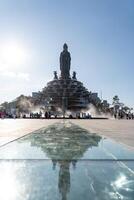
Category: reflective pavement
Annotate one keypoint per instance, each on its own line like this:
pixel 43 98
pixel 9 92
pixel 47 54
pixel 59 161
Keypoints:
pixel 65 162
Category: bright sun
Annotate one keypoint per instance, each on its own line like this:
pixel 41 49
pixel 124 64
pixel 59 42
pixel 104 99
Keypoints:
pixel 12 54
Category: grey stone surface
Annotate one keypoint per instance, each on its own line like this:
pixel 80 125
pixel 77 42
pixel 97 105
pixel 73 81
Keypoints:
pixel 11 129
pixel 121 131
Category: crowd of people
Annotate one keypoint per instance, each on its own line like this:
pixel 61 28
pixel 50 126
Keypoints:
pixel 36 115
pixel 49 115
pixel 124 116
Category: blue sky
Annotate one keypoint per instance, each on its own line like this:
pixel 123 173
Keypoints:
pixel 99 34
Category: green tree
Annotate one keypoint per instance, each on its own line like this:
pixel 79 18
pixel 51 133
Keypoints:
pixel 116 100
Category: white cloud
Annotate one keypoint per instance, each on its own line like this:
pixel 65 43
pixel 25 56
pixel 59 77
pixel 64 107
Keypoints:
pixel 16 75
pixel 10 72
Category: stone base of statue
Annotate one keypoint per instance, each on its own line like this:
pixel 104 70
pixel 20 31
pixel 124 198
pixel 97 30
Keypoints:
pixel 65 92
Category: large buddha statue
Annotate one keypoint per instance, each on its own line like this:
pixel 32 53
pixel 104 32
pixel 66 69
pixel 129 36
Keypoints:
pixel 65 62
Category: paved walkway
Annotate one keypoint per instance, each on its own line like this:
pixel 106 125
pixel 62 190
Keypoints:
pixel 11 129
pixel 121 131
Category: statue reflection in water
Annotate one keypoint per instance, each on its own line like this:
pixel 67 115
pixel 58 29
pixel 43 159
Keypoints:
pixel 64 144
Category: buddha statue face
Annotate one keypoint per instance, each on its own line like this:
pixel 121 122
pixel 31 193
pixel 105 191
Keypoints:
pixel 65 47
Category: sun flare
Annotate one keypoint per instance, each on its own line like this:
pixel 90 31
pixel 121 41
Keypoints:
pixel 8 184
pixel 12 54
